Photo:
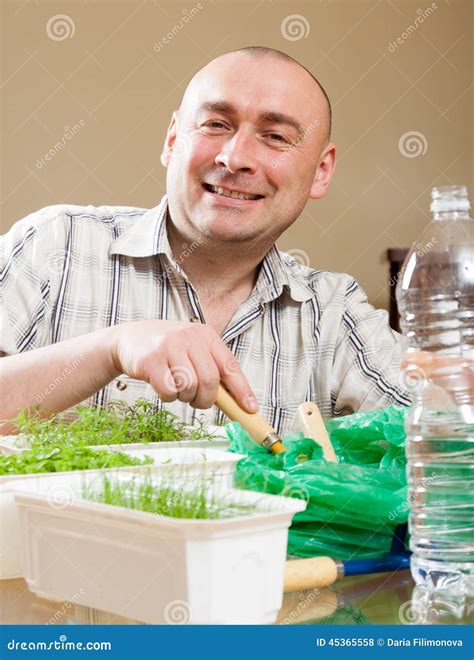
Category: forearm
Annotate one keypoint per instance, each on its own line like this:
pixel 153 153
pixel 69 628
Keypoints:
pixel 55 377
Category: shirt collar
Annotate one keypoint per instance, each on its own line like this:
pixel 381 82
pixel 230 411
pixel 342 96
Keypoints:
pixel 281 271
pixel 148 237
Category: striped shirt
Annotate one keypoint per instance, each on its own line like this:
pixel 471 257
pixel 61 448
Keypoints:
pixel 302 335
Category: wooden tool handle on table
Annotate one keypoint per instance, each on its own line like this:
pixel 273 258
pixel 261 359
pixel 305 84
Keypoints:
pixel 313 427
pixel 255 425
pixel 311 573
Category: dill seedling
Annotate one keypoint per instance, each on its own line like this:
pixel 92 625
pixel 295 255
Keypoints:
pixel 115 423
pixel 64 458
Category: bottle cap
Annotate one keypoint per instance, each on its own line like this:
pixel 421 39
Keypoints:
pixel 449 198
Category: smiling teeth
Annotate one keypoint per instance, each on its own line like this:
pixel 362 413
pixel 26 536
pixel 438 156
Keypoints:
pixel 231 193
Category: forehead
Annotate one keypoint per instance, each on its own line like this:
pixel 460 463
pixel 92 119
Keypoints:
pixel 256 85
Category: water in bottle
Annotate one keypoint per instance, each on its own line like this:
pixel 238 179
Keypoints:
pixel 435 295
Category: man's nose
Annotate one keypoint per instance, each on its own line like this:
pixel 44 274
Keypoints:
pixel 237 154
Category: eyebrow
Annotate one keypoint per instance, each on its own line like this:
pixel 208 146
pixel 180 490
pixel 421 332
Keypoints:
pixel 274 117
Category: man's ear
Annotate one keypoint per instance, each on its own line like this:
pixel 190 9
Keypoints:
pixel 324 172
pixel 169 140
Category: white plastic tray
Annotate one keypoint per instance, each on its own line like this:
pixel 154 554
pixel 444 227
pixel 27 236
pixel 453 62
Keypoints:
pixel 157 569
pixel 15 443
pixel 190 462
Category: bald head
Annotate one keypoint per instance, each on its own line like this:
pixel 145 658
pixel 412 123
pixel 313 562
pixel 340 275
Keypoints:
pixel 256 124
pixel 263 52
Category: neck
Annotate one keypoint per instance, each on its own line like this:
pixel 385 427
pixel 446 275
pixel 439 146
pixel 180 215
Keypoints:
pixel 215 270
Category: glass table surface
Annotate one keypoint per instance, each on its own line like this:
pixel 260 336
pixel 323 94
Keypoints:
pixel 382 598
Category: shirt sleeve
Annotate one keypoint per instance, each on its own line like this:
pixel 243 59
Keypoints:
pixel 28 261
pixel 366 372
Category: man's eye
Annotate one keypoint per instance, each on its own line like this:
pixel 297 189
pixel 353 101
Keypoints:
pixel 276 137
pixel 214 124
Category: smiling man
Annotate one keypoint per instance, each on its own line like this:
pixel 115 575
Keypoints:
pixel 101 303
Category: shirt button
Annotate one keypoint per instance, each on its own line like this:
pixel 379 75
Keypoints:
pixel 121 385
pixel 195 319
pixel 2 354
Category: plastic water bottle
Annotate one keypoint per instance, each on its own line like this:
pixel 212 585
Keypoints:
pixel 435 295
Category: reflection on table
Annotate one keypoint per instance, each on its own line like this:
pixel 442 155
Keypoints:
pixel 386 598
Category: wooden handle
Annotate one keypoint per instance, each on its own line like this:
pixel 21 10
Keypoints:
pixel 313 427
pixel 310 573
pixel 255 425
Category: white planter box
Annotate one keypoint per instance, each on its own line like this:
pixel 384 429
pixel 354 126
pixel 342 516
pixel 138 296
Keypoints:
pixel 219 443
pixel 158 569
pixel 10 444
pixel 190 462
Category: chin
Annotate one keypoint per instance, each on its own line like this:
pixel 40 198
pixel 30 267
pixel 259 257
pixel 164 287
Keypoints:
pixel 228 234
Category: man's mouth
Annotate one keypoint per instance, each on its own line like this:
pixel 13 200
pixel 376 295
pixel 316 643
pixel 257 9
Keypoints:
pixel 229 192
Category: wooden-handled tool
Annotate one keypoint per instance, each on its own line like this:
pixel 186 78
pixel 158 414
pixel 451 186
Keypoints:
pixel 256 426
pixel 313 427
pixel 317 572
pixel 310 573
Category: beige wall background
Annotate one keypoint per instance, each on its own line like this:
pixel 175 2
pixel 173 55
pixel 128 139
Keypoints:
pixel 100 79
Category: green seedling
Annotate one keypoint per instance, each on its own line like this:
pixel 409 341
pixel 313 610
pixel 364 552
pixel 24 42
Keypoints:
pixel 116 423
pixel 64 458
pixel 199 500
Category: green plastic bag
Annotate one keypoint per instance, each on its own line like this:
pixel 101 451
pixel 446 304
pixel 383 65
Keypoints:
pixel 353 506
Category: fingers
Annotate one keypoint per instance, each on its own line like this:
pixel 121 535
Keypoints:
pixel 189 363
pixel 208 379
pixel 182 373
pixel 176 379
pixel 232 376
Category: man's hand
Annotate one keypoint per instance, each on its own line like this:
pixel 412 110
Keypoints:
pixel 184 361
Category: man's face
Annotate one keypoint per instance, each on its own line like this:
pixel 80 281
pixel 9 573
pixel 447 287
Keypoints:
pixel 253 127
